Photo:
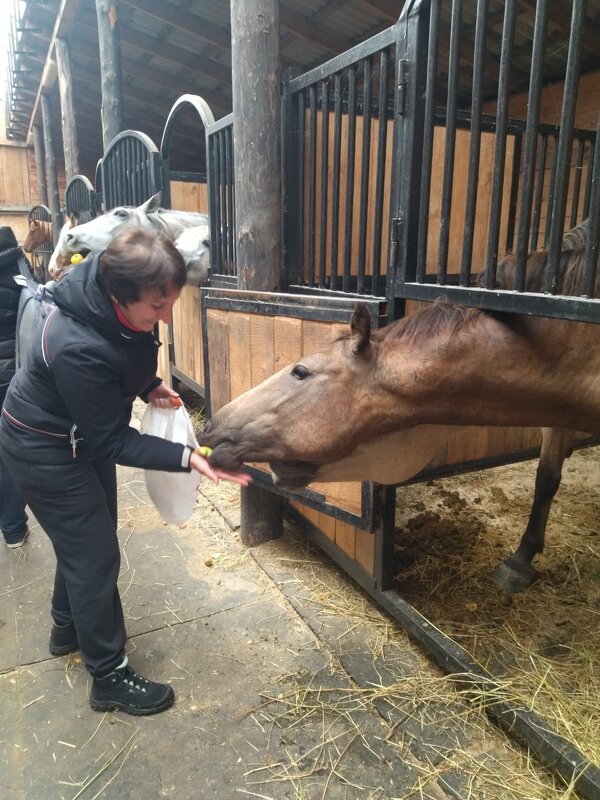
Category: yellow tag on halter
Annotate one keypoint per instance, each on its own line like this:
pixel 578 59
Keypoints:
pixel 204 451
pixel 76 258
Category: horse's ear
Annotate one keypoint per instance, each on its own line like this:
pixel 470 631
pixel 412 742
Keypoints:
pixel 360 328
pixel 152 204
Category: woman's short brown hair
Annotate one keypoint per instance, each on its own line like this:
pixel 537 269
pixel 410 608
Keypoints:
pixel 140 259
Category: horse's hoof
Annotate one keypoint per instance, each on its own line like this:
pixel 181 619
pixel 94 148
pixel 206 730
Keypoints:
pixel 510 579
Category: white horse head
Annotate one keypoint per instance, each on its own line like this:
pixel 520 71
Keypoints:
pixel 95 235
pixel 194 246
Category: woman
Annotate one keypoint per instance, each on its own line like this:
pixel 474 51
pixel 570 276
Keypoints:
pixel 65 426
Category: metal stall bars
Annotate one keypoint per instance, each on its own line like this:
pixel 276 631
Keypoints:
pixel 221 206
pixel 539 168
pixel 186 348
pixel 81 202
pixel 338 123
pixel 130 170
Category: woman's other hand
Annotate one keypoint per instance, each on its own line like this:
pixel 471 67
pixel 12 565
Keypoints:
pixel 164 397
pixel 201 465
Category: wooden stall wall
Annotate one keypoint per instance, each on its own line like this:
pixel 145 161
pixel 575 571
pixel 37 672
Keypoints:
pixel 245 349
pixel 15 192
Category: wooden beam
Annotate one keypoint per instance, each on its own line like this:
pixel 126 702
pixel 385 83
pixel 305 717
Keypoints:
pixel 51 173
pixel 40 168
pixel 63 26
pixel 257 149
pixel 67 105
pixel 110 69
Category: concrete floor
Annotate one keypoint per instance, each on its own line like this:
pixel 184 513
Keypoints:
pixel 280 667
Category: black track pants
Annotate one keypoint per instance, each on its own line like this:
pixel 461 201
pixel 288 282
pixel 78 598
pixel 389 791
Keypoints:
pixel 76 504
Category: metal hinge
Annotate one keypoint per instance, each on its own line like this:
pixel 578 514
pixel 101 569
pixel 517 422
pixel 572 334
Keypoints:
pixel 394 241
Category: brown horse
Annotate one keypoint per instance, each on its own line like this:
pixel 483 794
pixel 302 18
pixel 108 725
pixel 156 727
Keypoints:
pixel 445 366
pixel 40 233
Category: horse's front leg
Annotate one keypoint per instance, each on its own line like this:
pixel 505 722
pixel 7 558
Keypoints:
pixel 516 573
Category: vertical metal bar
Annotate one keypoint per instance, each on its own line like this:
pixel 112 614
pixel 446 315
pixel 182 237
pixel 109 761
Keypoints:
pixel 577 183
pixel 220 221
pixel 553 172
pixel 508 32
pixel 350 156
pixel 324 183
pixel 335 199
pixel 475 142
pixel 413 58
pixel 230 201
pixel 592 252
pixel 312 185
pixel 559 196
pixel 533 115
pixel 293 160
pixel 448 179
pixel 588 183
pixel 539 192
pixel 514 192
pixel 380 173
pixel 364 175
pixel 299 182
pixel 223 193
pixel 428 136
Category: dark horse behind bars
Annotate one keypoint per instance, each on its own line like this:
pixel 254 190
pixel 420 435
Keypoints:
pixel 444 366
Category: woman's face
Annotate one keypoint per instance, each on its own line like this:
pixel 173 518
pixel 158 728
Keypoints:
pixel 152 307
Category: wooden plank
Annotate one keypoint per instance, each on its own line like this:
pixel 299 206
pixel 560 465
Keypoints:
pixel 189 196
pixel 240 373
pixel 262 348
pixel 365 550
pixel 217 332
pixel 345 538
pixel 326 525
pixel 287 333
pixel 315 336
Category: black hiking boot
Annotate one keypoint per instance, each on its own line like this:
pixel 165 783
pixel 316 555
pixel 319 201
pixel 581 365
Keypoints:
pixel 63 639
pixel 124 689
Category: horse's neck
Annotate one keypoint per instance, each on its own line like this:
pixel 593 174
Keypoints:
pixel 173 222
pixel 487 373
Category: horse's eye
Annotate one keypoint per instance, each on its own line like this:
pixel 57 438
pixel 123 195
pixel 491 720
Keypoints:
pixel 120 212
pixel 206 242
pixel 300 372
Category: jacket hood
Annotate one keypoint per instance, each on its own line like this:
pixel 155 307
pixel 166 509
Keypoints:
pixel 81 295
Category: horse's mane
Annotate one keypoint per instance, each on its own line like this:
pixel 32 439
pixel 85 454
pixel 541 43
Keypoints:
pixel 441 317
pixel 570 268
pixel 159 218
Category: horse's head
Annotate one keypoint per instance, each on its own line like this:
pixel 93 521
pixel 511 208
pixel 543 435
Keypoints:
pixel 194 246
pixel 313 412
pixel 40 232
pixel 95 235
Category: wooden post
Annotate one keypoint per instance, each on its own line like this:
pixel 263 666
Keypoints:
pixel 40 163
pixel 51 175
pixel 110 69
pixel 67 105
pixel 257 153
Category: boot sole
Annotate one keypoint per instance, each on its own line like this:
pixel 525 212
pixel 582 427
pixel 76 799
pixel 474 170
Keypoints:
pixel 111 705
pixel 64 650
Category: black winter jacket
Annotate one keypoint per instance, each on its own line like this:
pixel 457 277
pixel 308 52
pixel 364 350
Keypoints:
pixel 9 301
pixel 74 397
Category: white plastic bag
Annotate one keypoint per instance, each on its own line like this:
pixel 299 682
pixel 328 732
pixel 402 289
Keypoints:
pixel 173 493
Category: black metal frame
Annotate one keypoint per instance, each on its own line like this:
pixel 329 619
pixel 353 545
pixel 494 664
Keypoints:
pixel 130 170
pixel 415 121
pixel 221 197
pixel 81 200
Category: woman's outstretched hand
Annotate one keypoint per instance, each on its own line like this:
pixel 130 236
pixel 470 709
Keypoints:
pixel 164 397
pixel 201 465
